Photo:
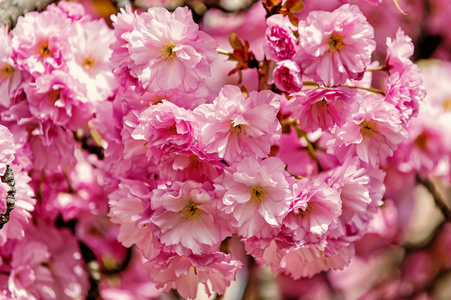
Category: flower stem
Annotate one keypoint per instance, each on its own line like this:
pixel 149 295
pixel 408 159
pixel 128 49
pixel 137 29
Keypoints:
pixel 224 52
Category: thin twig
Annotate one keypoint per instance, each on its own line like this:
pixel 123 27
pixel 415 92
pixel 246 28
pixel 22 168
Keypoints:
pixel 439 201
pixel 8 178
pixel 263 73
pixel 11 10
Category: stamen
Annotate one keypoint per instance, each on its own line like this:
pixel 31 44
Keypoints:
pixel 167 52
pixel 305 212
pixel 258 194
pixel 43 49
pixel 237 129
pixel 335 42
pixel 367 128
pixel 7 71
pixel 190 211
pixel 421 141
pixel 89 63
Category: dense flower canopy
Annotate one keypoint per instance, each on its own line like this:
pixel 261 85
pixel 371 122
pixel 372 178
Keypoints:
pixel 212 151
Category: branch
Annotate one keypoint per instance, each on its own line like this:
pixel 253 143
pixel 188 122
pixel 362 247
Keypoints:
pixel 8 178
pixel 439 201
pixel 93 271
pixel 124 264
pixel 11 10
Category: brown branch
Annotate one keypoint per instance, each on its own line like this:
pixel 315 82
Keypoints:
pixel 93 271
pixel 439 201
pixel 11 10
pixel 8 178
pixel 263 73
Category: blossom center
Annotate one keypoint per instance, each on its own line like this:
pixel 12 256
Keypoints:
pixel 6 71
pixel 335 42
pixel 307 210
pixel 447 104
pixel 237 129
pixel 55 95
pixel 368 128
pixel 258 194
pixel 190 211
pixel 167 52
pixel 89 63
pixel 194 161
pixel 43 49
pixel 421 141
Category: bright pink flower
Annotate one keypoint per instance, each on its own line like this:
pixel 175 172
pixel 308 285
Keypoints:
pixel 314 211
pixel 280 41
pixel 373 132
pixel 163 127
pixel 185 219
pixel 322 108
pixel 235 126
pixel 335 46
pixel 168 51
pixel 39 42
pixel 406 91
pixel 184 274
pixel 256 194
pixel 287 76
pixel 59 98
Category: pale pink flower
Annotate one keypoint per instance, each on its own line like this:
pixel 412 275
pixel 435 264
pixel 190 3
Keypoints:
pixel 184 274
pixel 361 190
pixel 280 43
pixel 185 220
pixel 39 43
pixel 287 76
pixel 235 127
pixel 314 211
pixel 335 46
pixel 165 127
pixel 373 131
pixel 406 91
pixel 322 107
pixel 168 51
pixel 72 10
pixel 11 79
pixel 256 194
pixel 88 61
pixel 306 262
pixel 399 51
pixel 428 146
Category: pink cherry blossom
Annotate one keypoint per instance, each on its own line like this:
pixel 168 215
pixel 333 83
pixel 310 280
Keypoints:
pixel 163 127
pixel 185 219
pixel 373 131
pixel 280 41
pixel 322 108
pixel 168 51
pixel 287 76
pixel 256 194
pixel 335 46
pixel 235 126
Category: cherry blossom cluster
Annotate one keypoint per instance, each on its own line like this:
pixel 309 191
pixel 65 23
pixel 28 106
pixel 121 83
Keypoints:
pixel 119 139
